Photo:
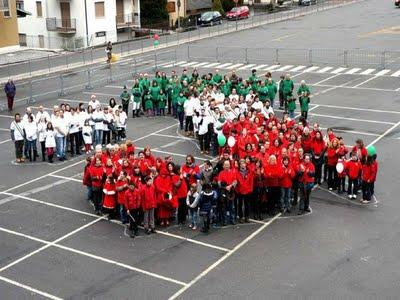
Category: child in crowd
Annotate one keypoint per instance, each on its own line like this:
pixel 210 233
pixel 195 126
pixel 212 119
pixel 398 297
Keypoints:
pixel 192 201
pixel 50 141
pixel 109 196
pixel 132 207
pixel 87 133
pixel 149 205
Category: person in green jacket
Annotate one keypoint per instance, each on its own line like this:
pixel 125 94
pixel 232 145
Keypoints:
pixel 179 108
pixel 287 88
pixel 164 81
pixel 291 106
pixel 281 100
pixel 217 78
pixel 136 98
pixel 226 87
pixel 272 90
pixel 155 92
pixel 263 92
pixel 148 104
pixel 162 102
pixel 184 76
pixel 125 97
pixel 176 89
pixel 253 79
pixel 304 98
pixel 144 85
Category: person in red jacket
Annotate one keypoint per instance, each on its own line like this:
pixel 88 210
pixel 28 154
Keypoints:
pixel 227 181
pixel 180 190
pixel 96 176
pixel 369 171
pixel 149 204
pixel 353 170
pixel 341 175
pixel 245 179
pixel 307 173
pixel 121 187
pixel 109 199
pixel 286 184
pixel 273 173
pixel 132 206
pixel 332 159
pixel 360 150
pixel 86 180
pixel 318 148
pixel 163 186
pixel 190 171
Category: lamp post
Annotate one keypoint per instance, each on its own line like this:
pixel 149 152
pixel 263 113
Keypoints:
pixel 178 3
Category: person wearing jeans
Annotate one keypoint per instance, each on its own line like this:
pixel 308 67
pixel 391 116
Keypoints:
pixel 98 119
pixel 307 173
pixel 61 127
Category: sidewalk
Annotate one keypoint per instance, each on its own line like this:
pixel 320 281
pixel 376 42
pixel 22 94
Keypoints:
pixel 286 15
pixel 24 54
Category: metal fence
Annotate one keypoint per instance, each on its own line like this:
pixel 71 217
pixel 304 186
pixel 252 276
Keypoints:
pixel 309 57
pixel 84 57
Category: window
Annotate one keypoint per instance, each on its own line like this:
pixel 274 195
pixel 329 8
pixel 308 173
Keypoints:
pixel 99 9
pixel 6 8
pixel 39 12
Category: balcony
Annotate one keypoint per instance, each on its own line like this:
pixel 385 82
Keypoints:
pixel 126 20
pixel 67 26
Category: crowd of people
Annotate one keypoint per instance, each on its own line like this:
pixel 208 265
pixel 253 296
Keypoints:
pixel 264 164
pixel 67 129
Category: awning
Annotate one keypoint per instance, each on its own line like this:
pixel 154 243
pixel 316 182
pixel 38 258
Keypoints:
pixel 22 13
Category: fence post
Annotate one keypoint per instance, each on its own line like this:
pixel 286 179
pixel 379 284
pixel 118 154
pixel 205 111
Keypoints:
pixel 155 60
pixel 188 52
pixel 30 67
pixel 383 60
pixel 83 57
pixel 89 84
pixel 91 54
pixel 246 56
pixel 310 58
pixel 216 54
pixel 30 99
pixel 141 45
pixel 8 67
pixel 48 62
pixel 121 49
pixel 66 60
pixel 276 55
pixel 345 58
pixel 61 93
pixel 189 36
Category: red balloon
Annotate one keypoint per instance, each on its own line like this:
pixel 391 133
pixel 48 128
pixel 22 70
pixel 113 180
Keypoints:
pixel 156 37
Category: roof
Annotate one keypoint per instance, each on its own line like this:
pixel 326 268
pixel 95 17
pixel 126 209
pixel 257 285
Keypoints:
pixel 198 4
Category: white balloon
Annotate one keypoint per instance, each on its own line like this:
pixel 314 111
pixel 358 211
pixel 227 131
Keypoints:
pixel 231 141
pixel 339 167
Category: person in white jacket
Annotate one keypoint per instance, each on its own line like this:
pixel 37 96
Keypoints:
pixel 201 124
pixel 98 119
pixel 87 136
pixel 50 141
pixel 61 128
pixel 74 124
pixel 41 128
pixel 31 137
pixel 192 202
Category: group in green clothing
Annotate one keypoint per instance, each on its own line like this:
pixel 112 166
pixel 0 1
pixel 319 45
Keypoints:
pixel 166 95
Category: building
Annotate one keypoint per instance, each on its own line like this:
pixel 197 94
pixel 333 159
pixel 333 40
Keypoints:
pixel 74 24
pixel 8 25
pixel 186 9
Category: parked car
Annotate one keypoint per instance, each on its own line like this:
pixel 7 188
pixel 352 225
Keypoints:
pixel 240 12
pixel 210 18
pixel 307 2
pixel 397 3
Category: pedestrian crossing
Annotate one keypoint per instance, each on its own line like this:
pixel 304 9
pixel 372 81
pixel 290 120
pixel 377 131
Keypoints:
pixel 283 68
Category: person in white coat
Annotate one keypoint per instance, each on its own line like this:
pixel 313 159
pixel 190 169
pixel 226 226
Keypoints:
pixel 50 141
pixel 74 133
pixel 41 128
pixel 87 136
pixel 18 137
pixel 31 137
pixel 201 123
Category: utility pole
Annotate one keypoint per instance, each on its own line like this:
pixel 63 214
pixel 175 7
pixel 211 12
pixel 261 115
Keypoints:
pixel 178 3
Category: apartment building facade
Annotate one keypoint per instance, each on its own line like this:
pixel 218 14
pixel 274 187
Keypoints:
pixel 74 24
pixel 8 25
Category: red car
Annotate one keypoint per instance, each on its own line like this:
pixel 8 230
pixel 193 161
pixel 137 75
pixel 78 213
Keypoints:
pixel 240 12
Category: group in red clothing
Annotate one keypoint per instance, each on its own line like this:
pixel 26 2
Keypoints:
pixel 270 165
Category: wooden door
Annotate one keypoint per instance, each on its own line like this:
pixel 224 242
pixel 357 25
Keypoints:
pixel 65 15
pixel 120 11
pixel 41 41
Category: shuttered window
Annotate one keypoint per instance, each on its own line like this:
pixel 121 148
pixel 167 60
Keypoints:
pixel 99 9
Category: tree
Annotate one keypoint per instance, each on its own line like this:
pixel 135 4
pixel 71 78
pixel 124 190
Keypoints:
pixel 227 5
pixel 153 11
pixel 217 5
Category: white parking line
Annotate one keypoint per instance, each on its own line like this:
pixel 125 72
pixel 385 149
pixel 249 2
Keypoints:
pixel 284 68
pixel 223 258
pixel 396 74
pixel 259 67
pixel 384 134
pixel 326 79
pixel 367 72
pixel 310 69
pixel 6 116
pixel 67 178
pixel 352 131
pixel 383 72
pixel 361 109
pixel 100 94
pixel 223 66
pixel 246 67
pixel 323 70
pixel 175 64
pixel 352 71
pixel 189 64
pixel 211 65
pixel 353 119
pixel 272 68
pixel 5 141
pixel 298 68
pixel 30 289
pixel 365 81
pixel 235 66
pixel 200 65
pixel 338 70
